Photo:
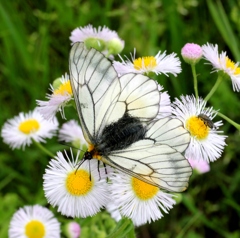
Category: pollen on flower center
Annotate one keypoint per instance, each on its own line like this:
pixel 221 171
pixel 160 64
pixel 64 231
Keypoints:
pixel 78 183
pixel 148 62
pixel 143 191
pixel 64 88
pixel 28 126
pixel 197 128
pixel 35 229
pixel 231 65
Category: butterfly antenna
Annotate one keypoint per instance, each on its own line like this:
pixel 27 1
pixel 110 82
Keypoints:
pixel 79 164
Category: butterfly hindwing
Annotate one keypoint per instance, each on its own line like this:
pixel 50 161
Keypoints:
pixel 141 96
pixel 169 131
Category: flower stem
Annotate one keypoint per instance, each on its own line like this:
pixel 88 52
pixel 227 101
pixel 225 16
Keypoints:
pixel 41 147
pixel 214 88
pixel 124 226
pixel 229 120
pixel 195 80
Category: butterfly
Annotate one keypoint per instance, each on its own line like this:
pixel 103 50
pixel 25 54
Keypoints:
pixel 118 116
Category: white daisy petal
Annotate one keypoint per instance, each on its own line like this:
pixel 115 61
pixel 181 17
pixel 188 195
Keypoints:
pixel 167 64
pixel 114 211
pixel 137 200
pixel 22 129
pixel 75 191
pixel 55 104
pixel 221 62
pixel 206 143
pixel 57 100
pixel 80 34
pixel 210 53
pixel 103 39
pixel 159 64
pixel 34 221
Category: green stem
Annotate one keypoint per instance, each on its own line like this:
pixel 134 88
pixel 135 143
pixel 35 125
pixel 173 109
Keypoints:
pixel 190 223
pixel 120 230
pixel 229 120
pixel 41 147
pixel 195 80
pixel 214 88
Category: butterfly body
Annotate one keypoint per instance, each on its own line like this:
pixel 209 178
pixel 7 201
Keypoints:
pixel 120 135
pixel 119 121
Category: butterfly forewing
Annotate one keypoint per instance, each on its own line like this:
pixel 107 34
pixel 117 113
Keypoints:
pixel 91 76
pixel 171 132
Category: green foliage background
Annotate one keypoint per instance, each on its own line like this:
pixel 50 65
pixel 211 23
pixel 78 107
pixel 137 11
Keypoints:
pixel 34 46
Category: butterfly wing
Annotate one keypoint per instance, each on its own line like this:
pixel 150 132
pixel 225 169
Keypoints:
pixel 141 96
pixel 92 79
pixel 157 159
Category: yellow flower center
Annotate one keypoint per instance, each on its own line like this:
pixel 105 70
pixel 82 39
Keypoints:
pixel 78 183
pixel 197 127
pixel 143 191
pixel 63 89
pixel 28 126
pixel 231 65
pixel 35 229
pixel 148 62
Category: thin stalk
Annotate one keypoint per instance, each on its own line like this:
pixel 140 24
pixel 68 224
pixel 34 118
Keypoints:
pixel 195 84
pixel 121 229
pixel 42 148
pixel 214 88
pixel 229 120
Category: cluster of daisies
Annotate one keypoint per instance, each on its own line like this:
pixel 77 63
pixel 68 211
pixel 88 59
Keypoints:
pixel 71 190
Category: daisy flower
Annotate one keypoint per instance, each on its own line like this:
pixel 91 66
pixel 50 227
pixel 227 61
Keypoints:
pixel 34 221
pixel 159 64
pixel 22 129
pixel 191 53
pixel 72 132
pixel 221 62
pixel 201 166
pixel 60 96
pixel 103 39
pixel 138 200
pixel 74 190
pixel 206 142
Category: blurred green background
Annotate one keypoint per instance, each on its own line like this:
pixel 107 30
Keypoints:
pixel 34 41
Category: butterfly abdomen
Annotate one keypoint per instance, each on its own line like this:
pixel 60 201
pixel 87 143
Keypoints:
pixel 120 134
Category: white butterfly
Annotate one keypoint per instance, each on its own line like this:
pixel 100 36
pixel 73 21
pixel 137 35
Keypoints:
pixel 118 119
